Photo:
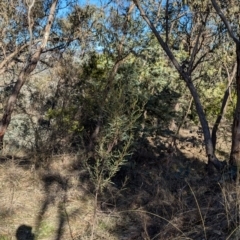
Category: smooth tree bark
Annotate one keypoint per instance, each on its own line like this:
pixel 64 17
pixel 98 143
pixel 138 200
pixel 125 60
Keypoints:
pixel 186 76
pixel 235 149
pixel 31 64
pixel 223 106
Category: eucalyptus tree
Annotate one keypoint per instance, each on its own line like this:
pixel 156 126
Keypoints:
pixel 229 15
pixel 25 29
pixel 176 25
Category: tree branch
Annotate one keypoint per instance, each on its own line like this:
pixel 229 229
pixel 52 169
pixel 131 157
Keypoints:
pixel 160 40
pixel 225 21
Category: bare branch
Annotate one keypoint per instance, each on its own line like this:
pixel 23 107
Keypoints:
pixel 166 17
pixel 30 22
pixel 197 47
pixel 159 10
pixel 160 40
pixel 225 21
pixel 8 59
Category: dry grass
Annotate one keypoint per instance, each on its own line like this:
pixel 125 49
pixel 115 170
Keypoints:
pixel 39 198
pixel 166 196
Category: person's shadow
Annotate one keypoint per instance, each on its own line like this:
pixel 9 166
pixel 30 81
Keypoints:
pixel 24 232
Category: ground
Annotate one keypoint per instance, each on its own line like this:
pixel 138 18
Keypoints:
pixel 165 193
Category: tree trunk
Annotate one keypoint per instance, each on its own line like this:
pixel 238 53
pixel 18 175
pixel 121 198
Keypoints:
pixel 204 123
pixel 235 151
pixel 6 118
pixel 223 106
pixel 30 66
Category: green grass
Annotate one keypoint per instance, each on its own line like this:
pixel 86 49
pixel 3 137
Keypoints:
pixel 46 230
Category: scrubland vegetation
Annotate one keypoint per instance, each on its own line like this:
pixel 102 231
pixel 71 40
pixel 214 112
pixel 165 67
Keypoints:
pixel 119 120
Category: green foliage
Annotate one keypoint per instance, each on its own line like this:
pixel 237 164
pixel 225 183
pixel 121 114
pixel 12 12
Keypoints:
pixel 115 70
pixel 161 109
pixel 64 117
pixel 46 230
pixel 2 237
pixel 212 99
pixel 119 111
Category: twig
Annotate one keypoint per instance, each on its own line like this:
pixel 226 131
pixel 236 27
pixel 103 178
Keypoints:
pixel 67 217
pixel 199 210
pixel 155 215
pixel 94 214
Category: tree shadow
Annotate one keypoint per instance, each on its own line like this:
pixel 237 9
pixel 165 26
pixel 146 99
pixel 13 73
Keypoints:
pixel 170 196
pixel 55 201
pixel 166 196
pixel 55 189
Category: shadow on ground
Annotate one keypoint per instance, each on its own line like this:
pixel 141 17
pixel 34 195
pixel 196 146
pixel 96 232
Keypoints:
pixel 168 196
pixel 24 232
pixel 159 194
